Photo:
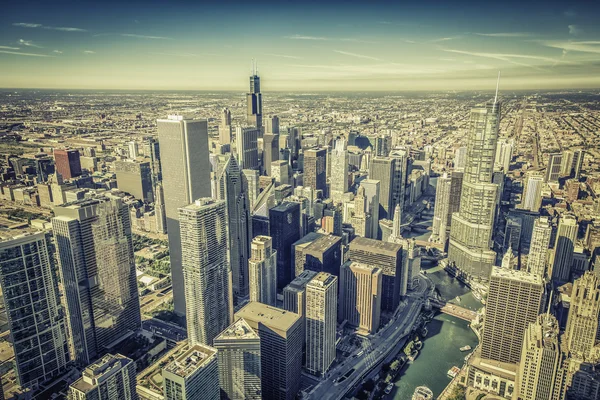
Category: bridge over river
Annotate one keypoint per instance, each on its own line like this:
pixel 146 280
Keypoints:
pixel 454 310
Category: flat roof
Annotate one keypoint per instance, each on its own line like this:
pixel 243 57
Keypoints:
pixel 272 317
pixel 379 246
pixel 322 279
pixel 516 275
pixel 299 283
pixel 238 330
pixel 18 233
pixel 190 361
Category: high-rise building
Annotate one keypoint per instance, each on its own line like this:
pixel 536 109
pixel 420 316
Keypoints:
pixel 540 372
pixel 254 99
pixel 339 169
pixel 97 266
pixel 135 178
pixel 111 377
pixel 262 267
pixel 361 220
pixel 281 339
pixel 503 157
pixel 564 246
pixel 360 296
pixel 382 170
pixel 270 151
pixel 538 249
pixel 152 151
pixel 472 226
pixel 280 171
pixel 225 127
pixel 133 150
pixel 442 207
pixel 554 167
pixel 186 177
pixel 250 180
pixel 315 169
pixel 192 375
pixel 294 294
pixel 460 158
pixel 317 252
pixel 272 125
pixel 388 257
pixel 159 209
pixel 383 145
pixel 32 304
pixel 580 336
pixel 229 186
pixel 512 233
pixel 67 163
pixel 532 193
pixel 247 147
pixel 321 316
pixel 514 301
pixel 372 189
pixel 284 224
pixel 400 157
pixel 238 353
pixel 206 270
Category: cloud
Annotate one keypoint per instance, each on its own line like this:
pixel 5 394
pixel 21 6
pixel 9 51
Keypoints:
pixel 575 30
pixel 510 58
pixel 24 54
pixel 303 37
pixel 54 28
pixel 144 36
pixel 505 34
pixel 89 52
pixel 9 48
pixel 57 51
pixel 347 53
pixel 283 56
pixel 580 46
pixel 28 43
pixel 357 40
pixel 570 14
pixel 184 54
pixel 444 39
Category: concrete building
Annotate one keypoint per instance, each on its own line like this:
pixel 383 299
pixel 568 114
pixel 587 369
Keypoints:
pixel 361 220
pixel 186 177
pixel 238 353
pixel 247 147
pixel 262 268
pixel 294 294
pixel 284 225
pixel 360 296
pixel 532 192
pixel 206 270
pixel 270 151
pixel 537 259
pixel 281 339
pixel 280 171
pixel 372 190
pixel 441 210
pixel 580 337
pixel 382 170
pixel 135 178
pixel 563 247
pixel 315 169
pixel 339 170
pixel 554 167
pixel 320 319
pixel 225 129
pixel 254 101
pixel 317 252
pixel 193 375
pixel 111 377
pixel 67 163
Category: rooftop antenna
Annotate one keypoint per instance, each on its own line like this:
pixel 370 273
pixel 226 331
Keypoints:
pixel 497 85
pixel 550 303
pixel 256 68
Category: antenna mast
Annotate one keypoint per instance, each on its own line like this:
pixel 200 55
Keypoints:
pixel 497 85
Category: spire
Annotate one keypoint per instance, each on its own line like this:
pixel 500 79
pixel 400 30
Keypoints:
pixel 550 303
pixel 397 232
pixel 497 86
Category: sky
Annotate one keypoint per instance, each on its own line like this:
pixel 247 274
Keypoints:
pixel 300 45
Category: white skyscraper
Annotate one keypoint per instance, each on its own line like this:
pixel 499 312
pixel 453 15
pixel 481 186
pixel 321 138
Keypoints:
pixel 564 246
pixel 206 270
pixel 111 377
pixel 339 170
pixel 504 152
pixel 538 249
pixel 532 192
pixel 263 271
pixel 186 177
pixel 372 205
pixel 442 207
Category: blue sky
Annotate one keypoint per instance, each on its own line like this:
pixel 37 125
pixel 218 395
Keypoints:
pixel 300 45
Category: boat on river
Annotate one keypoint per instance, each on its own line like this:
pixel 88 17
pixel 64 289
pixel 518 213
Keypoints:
pixel 388 388
pixel 422 393
pixel 465 348
pixel 452 372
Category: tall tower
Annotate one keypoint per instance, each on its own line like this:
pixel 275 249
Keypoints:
pixel 382 170
pixel 360 220
pixel 284 222
pixel 360 296
pixel 400 157
pixel 554 167
pixel 247 147
pixel 532 193
pixel 159 209
pixel 538 249
pixel 339 170
pixel 372 189
pixel 238 353
pixel 192 375
pixel 111 377
pixel 472 227
pixel 397 223
pixel 270 151
pixel 67 163
pixel 225 127
pixel 263 271
pixel 229 186
pixel 186 177
pixel 254 98
pixel 321 315
pixel 563 247
pixel 31 297
pixel 206 271
pixel 442 208
pixel 582 324
pixel 315 169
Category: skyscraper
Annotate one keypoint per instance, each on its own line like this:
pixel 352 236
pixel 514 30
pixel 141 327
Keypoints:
pixel 315 169
pixel 225 127
pixel 472 227
pixel 238 353
pixel 272 125
pixel 97 266
pixel 206 270
pixel 254 99
pixel 360 296
pixel 321 316
pixel 532 193
pixel 135 178
pixel 294 294
pixel 442 207
pixel 270 151
pixel 339 169
pixel 514 301
pixel 262 267
pixel 538 249
pixel 554 167
pixel 563 247
pixel 372 190
pixel 186 177
pixel 111 377
pixel 284 223
pixel 400 157
pixel 192 375
pixel 32 304
pixel 246 141
pixel 229 186
pixel 361 220
pixel 382 170
pixel 281 339
pixel 317 252
pixel 67 163
pixel 580 336
pixel 503 156
pixel 159 209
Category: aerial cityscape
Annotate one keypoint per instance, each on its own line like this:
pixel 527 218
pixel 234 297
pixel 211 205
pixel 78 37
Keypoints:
pixel 377 202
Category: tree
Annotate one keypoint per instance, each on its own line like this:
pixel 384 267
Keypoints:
pixel 458 393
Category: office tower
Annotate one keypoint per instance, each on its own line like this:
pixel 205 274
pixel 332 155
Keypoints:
pixel 32 304
pixel 270 151
pixel 455 195
pixel 580 336
pixel 372 189
pixel 263 271
pixel 254 99
pixel 225 127
pixel 133 150
pixel 554 166
pixel 206 270
pixel 294 135
pixel 111 377
pixel 575 171
pixel 315 174
pixel 538 249
pixel 280 171
pixel 272 125
pixel 192 375
pixel 250 181
pixel 281 339
pixel 97 266
pixel 460 158
pixel 159 209
pixel 400 157
pixel 514 301
pixel 472 226
pixel 284 224
pixel 563 247
pixel 294 294
pixel 411 260
pixel 360 296
pixel 383 145
pixel 135 178
pixel 442 208
pixel 360 220
pixel 339 169
pixel 67 163
pixel 321 315
pixel 396 235
pixel 512 233
pixel 317 252
pixel 532 192
pixel 503 156
pixel 382 170
pixel 186 177
pixel 247 147
pixel 152 151
pixel 238 354
pixel 388 257
pixel 332 220
pixel 229 186
pixel 572 190
pixel 540 372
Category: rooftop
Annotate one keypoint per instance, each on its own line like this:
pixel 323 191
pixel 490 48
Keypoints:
pixel 96 373
pixel 299 283
pixel 17 233
pixel 238 330
pixel 518 275
pixel 190 361
pixel 377 246
pixel 323 279
pixel 272 317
